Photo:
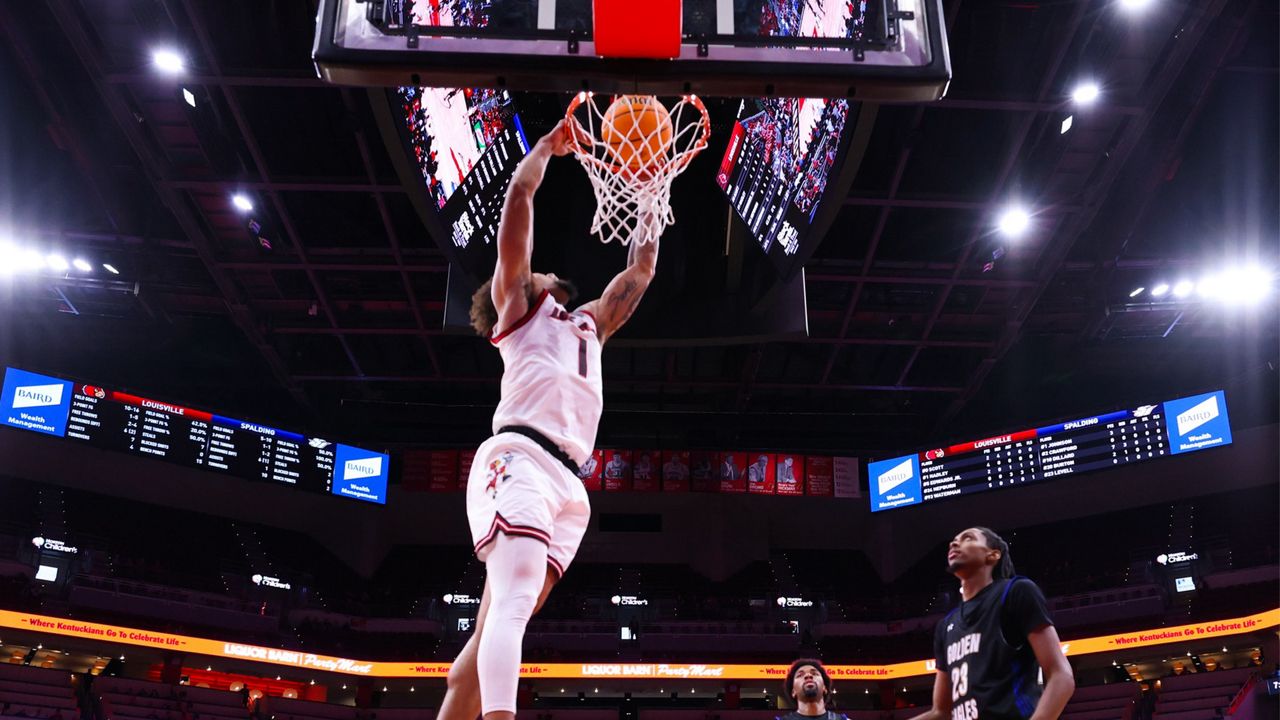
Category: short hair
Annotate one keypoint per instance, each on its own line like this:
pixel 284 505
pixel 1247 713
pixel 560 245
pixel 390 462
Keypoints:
pixel 817 664
pixel 1004 568
pixel 484 314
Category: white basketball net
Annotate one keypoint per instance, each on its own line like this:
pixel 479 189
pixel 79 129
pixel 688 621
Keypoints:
pixel 634 202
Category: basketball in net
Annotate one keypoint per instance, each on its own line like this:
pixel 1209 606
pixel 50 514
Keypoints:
pixel 637 130
pixel 632 148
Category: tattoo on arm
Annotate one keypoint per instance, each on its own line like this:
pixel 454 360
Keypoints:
pixel 621 303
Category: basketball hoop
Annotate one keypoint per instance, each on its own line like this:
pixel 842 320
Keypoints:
pixel 631 168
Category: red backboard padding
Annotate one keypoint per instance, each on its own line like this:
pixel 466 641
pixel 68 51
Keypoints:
pixel 631 29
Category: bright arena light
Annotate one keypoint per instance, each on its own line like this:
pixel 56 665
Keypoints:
pixel 1246 285
pixel 110 268
pixel 1086 93
pixel 1160 290
pixel 242 203
pixel 1136 292
pixel 168 61
pixel 1066 125
pixel 1014 221
pixel 188 97
pixel 82 265
pixel 10 257
pixel 57 263
pixel 1134 6
pixel 1183 288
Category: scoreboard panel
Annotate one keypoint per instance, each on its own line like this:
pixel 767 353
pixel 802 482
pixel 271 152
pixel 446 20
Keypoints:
pixel 1147 432
pixel 123 422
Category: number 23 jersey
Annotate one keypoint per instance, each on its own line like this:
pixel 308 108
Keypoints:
pixel 551 377
pixel 982 646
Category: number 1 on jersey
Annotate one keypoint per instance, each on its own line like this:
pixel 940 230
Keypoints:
pixel 582 357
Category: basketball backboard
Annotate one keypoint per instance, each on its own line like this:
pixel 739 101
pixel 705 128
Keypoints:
pixel 869 50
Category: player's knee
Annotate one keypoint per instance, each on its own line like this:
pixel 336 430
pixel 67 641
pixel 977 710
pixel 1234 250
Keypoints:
pixel 456 680
pixel 517 604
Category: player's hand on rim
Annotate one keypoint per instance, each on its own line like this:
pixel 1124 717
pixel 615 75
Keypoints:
pixel 561 138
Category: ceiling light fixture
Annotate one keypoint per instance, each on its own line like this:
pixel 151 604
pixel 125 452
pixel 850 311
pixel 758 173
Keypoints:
pixel 1086 93
pixel 1014 221
pixel 1134 6
pixel 168 61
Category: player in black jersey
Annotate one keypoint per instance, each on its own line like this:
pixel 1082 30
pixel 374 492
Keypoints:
pixel 809 685
pixel 989 650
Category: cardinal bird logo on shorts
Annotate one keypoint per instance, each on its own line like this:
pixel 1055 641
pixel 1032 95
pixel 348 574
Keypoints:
pixel 497 471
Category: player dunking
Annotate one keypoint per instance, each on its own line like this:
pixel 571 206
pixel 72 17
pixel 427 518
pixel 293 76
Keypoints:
pixel 989 649
pixel 527 508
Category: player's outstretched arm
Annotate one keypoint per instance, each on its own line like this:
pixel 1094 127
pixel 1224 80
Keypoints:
pixel 623 294
pixel 1059 680
pixel 512 278
pixel 941 709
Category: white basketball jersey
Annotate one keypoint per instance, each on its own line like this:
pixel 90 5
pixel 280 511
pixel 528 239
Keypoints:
pixel 551 381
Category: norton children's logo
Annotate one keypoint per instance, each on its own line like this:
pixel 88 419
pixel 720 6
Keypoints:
pixel 1198 415
pixel 362 468
pixel 895 476
pixel 37 396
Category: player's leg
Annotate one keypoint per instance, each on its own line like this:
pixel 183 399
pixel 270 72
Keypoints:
pixel 462 686
pixel 462 690
pixel 517 567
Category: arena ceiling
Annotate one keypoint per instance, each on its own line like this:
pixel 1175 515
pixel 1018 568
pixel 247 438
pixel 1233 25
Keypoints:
pixel 338 329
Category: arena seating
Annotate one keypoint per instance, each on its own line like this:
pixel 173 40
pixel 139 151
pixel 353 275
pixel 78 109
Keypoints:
pixel 131 699
pixel 1198 696
pixel 282 708
pixel 1117 701
pixel 36 693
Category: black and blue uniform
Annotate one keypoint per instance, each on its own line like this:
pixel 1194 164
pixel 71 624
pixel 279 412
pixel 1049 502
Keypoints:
pixel 982 645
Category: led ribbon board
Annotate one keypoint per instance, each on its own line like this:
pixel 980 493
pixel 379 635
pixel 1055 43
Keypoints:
pixel 555 671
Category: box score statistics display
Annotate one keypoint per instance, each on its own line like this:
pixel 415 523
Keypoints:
pixel 123 422
pixel 1147 432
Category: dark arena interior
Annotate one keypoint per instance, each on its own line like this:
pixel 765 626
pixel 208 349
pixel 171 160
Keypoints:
pixel 1029 285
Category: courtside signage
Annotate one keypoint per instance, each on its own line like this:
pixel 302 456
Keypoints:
pixel 638 671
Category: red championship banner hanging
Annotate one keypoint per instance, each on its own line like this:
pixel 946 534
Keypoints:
pixel 789 473
pixel 760 474
pixel 733 472
pixel 819 475
pixel 646 470
pixel 444 471
pixel 704 476
pixel 675 471
pixel 415 470
pixel 617 470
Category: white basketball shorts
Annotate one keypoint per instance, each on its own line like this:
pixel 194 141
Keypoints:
pixel 516 487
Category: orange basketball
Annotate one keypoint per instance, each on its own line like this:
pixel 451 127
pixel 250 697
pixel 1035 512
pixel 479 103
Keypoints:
pixel 637 129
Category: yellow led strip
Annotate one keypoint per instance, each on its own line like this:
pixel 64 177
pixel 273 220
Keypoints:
pixel 621 671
